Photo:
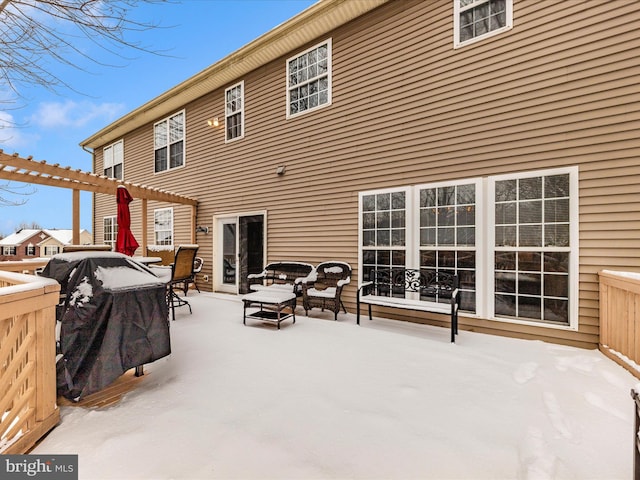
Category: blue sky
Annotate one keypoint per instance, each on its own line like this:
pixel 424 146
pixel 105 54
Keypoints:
pixel 193 34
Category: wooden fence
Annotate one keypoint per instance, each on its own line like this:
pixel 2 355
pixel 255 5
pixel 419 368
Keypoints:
pixel 28 407
pixel 620 318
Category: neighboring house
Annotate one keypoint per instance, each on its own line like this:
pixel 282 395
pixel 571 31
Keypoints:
pixel 33 243
pixel 494 138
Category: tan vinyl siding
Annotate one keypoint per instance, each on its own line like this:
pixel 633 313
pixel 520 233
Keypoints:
pixel 559 89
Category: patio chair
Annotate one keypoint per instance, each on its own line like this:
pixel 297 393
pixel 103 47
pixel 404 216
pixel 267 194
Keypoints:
pixel 198 262
pixel 181 271
pixel 323 287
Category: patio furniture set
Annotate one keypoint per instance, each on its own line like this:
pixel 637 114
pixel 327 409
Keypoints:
pixel 275 290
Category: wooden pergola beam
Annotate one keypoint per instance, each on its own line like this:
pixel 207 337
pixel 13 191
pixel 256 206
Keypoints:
pixel 26 170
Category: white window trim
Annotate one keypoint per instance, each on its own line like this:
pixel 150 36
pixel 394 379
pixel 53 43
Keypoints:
pixel 184 143
pixel 240 111
pixel 408 191
pixel 114 232
pixel 456 25
pixel 574 257
pixel 485 240
pixel 329 44
pixel 158 210
pixel 108 160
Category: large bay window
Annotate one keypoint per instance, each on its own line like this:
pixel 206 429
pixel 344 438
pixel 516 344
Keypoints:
pixel 512 241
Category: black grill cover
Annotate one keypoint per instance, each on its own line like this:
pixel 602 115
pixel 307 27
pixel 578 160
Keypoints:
pixel 114 318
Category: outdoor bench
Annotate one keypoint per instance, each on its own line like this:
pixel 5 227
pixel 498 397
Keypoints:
pixel 425 291
pixel 280 275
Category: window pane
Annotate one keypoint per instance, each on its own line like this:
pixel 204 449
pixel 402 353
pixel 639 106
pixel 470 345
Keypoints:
pixel 556 210
pixel 383 220
pixel 161 160
pixel 447 195
pixel 176 159
pixel 397 237
pixel 368 220
pixel 529 307
pixel 556 285
pixel 398 218
pixel 530 236
pixel 556 262
pixel 505 261
pixel 368 203
pixel 531 212
pixel 529 284
pixel 466 194
pixel 383 201
pixel 427 217
pixel 505 305
pixel 506 190
pixel 556 310
pixel 556 235
pixel 428 197
pixel 427 236
pixel 556 186
pixel 530 188
pixel 529 261
pixel 466 215
pixel 505 282
pixel 398 200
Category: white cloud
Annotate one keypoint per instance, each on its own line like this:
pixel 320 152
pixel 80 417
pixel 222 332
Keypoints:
pixel 74 114
pixel 12 134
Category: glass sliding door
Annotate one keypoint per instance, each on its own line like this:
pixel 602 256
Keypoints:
pixel 240 250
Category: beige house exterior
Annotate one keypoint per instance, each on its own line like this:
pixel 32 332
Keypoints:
pixel 497 139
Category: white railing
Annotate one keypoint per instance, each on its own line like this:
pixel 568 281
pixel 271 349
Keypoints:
pixel 28 408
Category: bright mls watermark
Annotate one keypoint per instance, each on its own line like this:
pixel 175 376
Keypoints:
pixel 51 467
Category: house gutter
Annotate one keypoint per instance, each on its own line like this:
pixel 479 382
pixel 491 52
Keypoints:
pixel 317 20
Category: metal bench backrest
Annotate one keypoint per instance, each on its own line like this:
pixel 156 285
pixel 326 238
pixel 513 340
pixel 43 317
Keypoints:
pixel 432 285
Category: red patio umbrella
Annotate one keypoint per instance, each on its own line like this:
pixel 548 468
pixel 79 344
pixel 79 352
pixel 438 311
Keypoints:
pixel 125 242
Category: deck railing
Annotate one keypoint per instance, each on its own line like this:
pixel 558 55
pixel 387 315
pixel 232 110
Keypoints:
pixel 28 407
pixel 620 318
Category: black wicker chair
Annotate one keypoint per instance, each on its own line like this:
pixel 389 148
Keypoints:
pixel 323 287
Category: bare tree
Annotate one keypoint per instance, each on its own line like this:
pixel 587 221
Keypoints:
pixel 36 32
pixel 19 190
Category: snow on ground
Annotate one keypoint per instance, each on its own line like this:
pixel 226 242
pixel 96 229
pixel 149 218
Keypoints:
pixel 332 400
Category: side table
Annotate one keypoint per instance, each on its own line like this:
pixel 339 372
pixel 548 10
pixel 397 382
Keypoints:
pixel 270 304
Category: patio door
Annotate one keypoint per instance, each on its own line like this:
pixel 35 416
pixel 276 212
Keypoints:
pixel 240 250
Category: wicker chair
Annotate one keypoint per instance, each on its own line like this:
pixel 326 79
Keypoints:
pixel 323 287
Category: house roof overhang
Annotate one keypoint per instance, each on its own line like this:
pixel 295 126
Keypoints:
pixel 315 21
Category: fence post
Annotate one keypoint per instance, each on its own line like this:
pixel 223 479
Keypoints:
pixel 636 432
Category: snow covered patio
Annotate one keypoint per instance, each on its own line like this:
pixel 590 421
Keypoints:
pixel 330 400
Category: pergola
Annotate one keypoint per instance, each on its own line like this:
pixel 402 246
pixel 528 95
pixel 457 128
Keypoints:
pixel 27 170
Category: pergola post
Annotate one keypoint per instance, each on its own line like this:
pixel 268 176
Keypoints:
pixel 75 237
pixel 144 227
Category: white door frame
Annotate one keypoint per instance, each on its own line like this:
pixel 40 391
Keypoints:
pixel 218 221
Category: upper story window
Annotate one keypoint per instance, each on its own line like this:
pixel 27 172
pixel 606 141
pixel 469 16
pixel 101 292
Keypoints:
pixel 309 80
pixel 168 141
pixel 478 19
pixel 234 112
pixel 163 226
pixel 113 159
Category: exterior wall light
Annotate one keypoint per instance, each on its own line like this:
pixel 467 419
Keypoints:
pixel 213 122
